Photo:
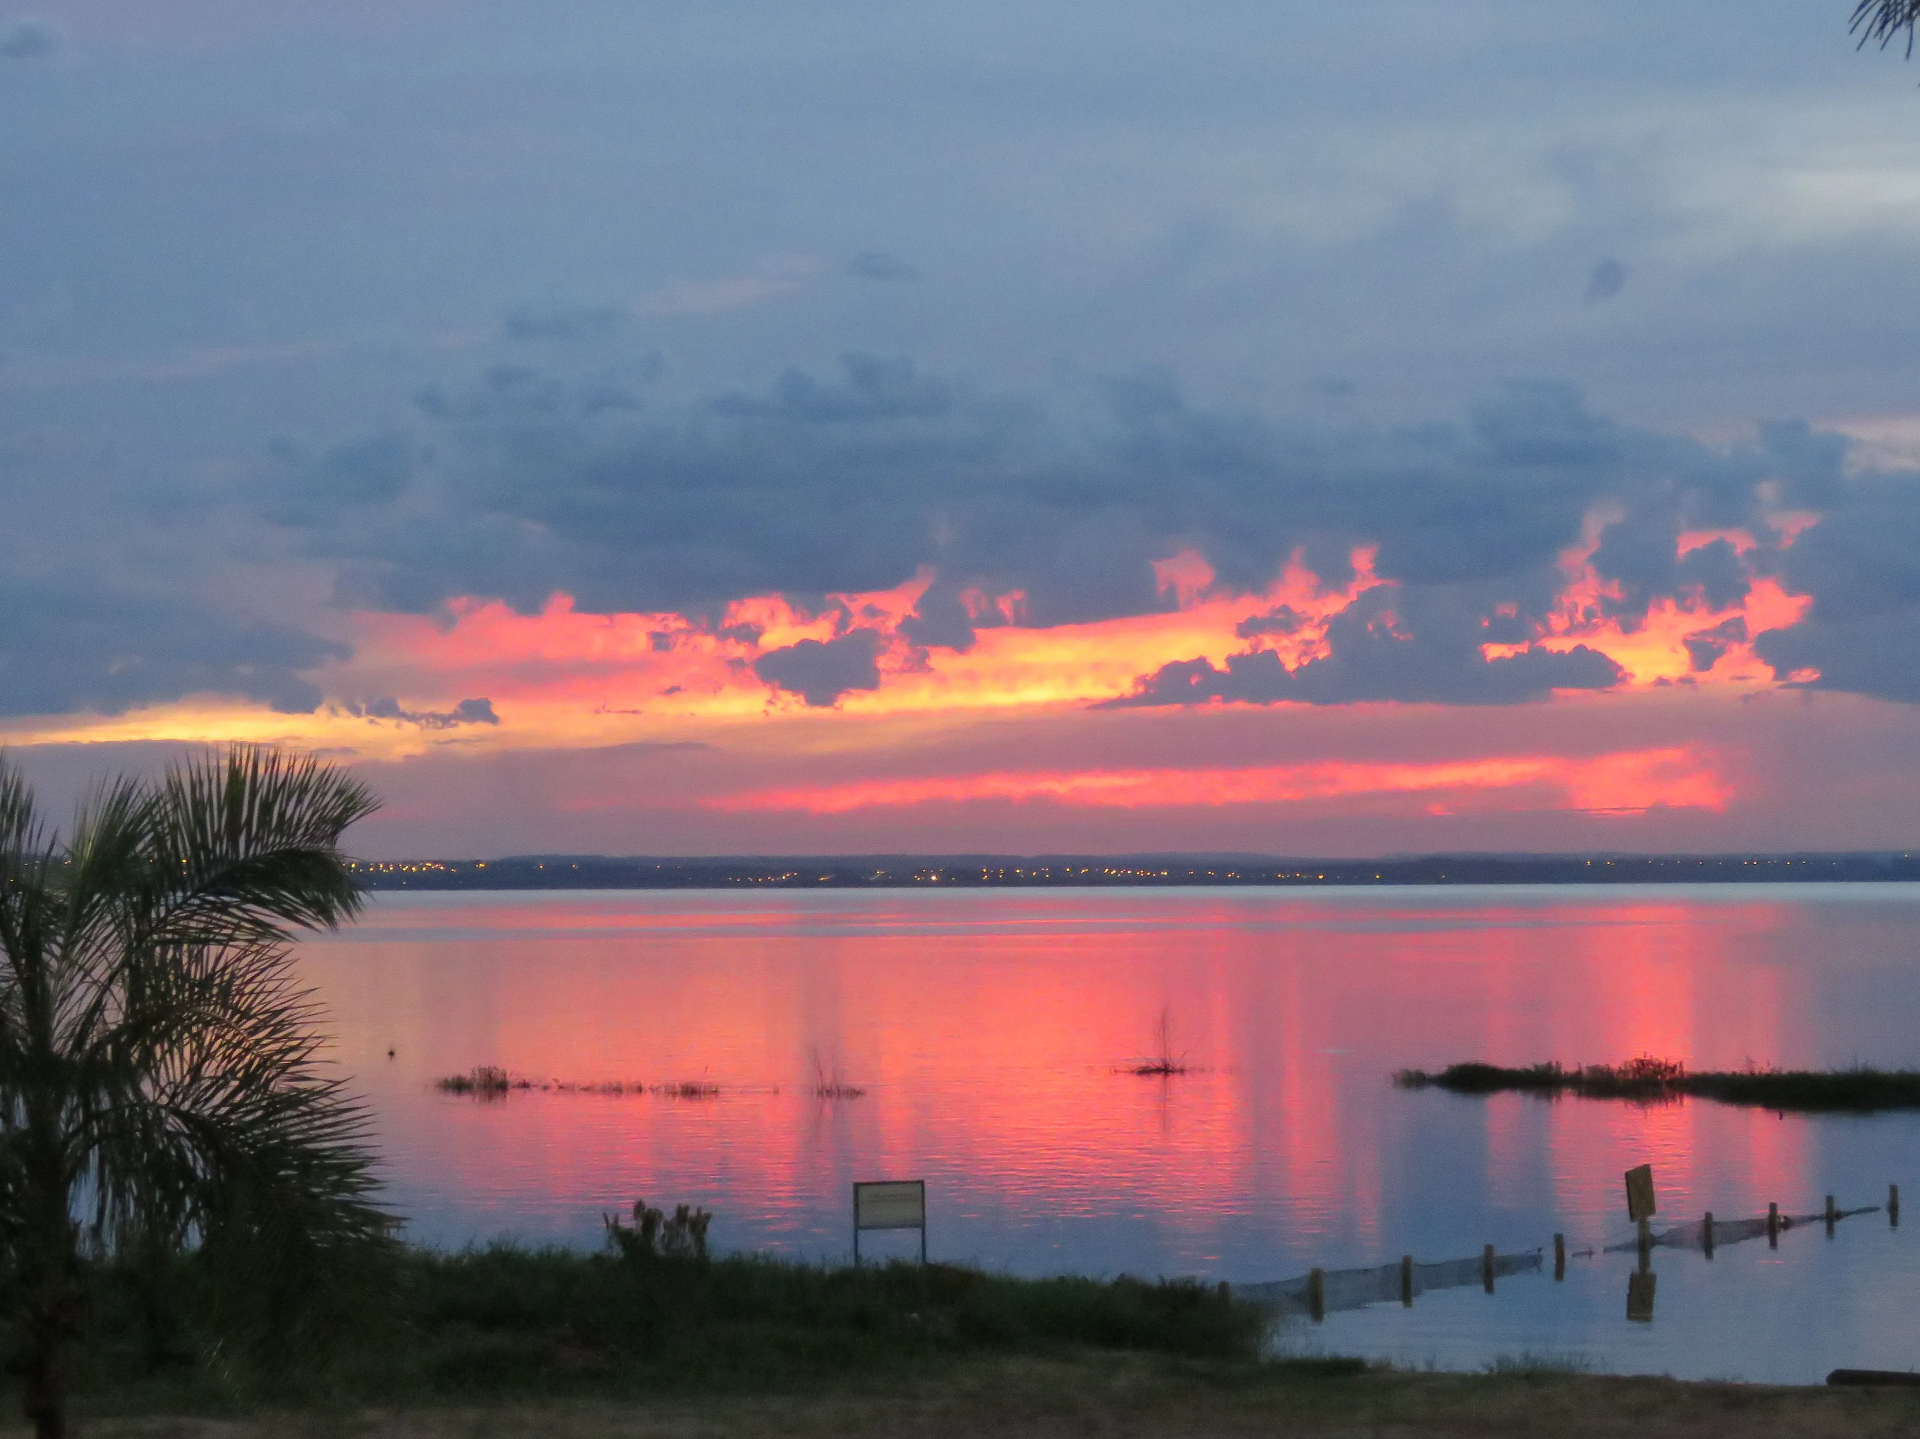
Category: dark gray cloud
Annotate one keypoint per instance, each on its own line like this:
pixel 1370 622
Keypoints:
pixel 877 265
pixel 1399 645
pixel 467 712
pixel 1876 655
pixel 820 671
pixel 328 224
pixel 526 482
pixel 1608 279
pixel 1861 564
pixel 64 649
pixel 519 486
pixel 28 40
pixel 564 323
pixel 941 619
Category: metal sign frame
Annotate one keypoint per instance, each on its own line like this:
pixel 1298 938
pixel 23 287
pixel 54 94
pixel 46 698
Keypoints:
pixel 890 1204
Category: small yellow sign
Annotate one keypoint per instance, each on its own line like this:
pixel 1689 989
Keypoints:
pixel 890 1204
pixel 1640 1203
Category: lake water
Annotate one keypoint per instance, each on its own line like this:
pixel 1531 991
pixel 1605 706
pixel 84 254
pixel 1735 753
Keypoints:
pixel 992 1033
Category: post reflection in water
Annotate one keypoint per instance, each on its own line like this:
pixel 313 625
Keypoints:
pixel 993 1034
pixel 1640 1286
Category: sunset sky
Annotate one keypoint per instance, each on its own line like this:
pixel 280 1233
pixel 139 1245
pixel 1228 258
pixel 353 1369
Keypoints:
pixel 746 428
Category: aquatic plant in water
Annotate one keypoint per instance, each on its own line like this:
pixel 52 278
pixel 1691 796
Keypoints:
pixel 483 1081
pixel 1648 1080
pixel 830 1084
pixel 1165 1064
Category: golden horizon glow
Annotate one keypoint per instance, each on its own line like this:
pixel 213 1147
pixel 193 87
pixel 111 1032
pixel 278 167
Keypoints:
pixel 1625 783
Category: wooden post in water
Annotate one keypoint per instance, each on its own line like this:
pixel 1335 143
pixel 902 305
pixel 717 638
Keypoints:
pixel 1773 1226
pixel 1832 1216
pixel 1893 1206
pixel 1559 1257
pixel 1486 1267
pixel 1406 1280
pixel 1706 1234
pixel 1317 1294
pixel 1643 1237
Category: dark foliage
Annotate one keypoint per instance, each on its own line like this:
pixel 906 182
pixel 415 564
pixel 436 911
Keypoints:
pixel 1647 1080
pixel 1881 21
pixel 160 1086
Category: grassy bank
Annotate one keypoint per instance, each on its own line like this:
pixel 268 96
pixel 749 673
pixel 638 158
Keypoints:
pixel 504 1323
pixel 1655 1081
pixel 505 1341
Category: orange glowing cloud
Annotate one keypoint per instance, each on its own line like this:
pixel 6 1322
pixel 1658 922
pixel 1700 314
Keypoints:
pixel 562 677
pixel 1630 782
pixel 583 667
pixel 1668 643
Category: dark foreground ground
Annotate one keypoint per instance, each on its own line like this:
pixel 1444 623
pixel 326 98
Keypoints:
pixel 1113 1394
pixel 649 1339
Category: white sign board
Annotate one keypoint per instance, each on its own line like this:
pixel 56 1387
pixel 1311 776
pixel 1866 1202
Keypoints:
pixel 891 1204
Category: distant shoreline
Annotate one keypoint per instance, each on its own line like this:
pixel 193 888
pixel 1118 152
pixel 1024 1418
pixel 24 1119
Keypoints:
pixel 1124 872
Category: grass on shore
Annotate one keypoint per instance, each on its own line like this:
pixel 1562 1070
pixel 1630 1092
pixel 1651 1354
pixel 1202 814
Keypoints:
pixel 1654 1081
pixel 506 1340
pixel 505 1323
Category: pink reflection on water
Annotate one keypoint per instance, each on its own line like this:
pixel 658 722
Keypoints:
pixel 992 1030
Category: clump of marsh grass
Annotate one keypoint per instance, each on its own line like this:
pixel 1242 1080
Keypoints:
pixel 831 1084
pixel 689 1089
pixel 1165 1064
pixel 483 1081
pixel 490 1082
pixel 1648 1080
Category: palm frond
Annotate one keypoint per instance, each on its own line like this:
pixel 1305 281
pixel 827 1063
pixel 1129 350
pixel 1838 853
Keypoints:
pixel 1882 21
pixel 246 843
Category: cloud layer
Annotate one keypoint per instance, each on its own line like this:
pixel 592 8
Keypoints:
pixel 820 382
pixel 1534 546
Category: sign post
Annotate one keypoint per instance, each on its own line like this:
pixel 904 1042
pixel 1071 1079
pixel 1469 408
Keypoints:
pixel 890 1204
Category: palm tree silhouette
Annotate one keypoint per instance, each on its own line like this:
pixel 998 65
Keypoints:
pixel 160 1092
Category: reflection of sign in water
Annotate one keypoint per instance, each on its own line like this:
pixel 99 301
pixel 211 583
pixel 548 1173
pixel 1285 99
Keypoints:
pixel 1640 1296
pixel 1640 1203
pixel 890 1204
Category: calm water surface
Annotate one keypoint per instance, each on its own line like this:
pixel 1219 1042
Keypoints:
pixel 992 1030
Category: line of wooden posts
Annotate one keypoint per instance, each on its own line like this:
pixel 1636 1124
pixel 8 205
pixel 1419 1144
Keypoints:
pixel 1639 1298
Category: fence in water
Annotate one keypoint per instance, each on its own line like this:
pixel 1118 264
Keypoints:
pixel 1320 1292
pixel 1323 1291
